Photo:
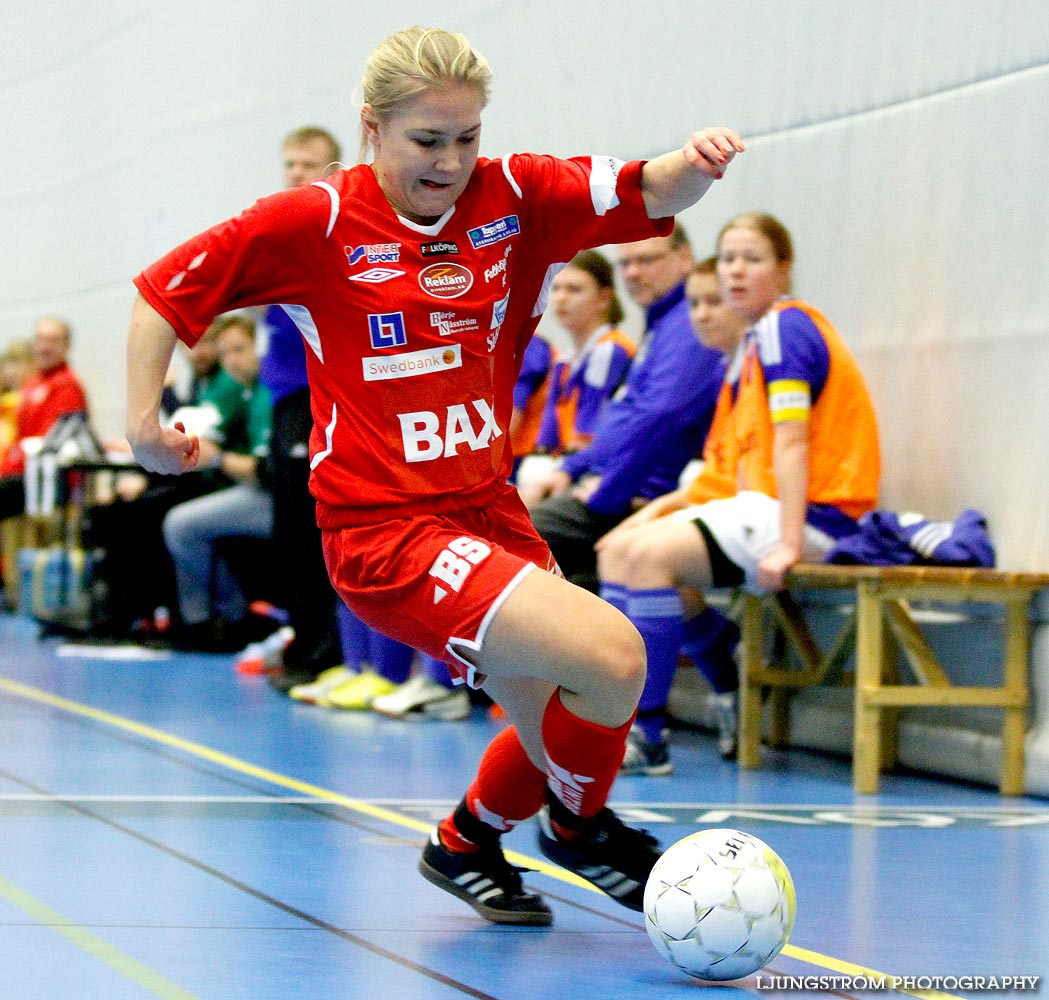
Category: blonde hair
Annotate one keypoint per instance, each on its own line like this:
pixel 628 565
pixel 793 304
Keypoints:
pixel 309 133
pixel 18 350
pixel 418 59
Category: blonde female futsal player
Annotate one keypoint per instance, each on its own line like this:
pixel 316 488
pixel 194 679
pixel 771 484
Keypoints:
pixel 416 282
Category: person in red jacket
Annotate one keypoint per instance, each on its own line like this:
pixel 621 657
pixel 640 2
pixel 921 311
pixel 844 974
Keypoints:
pixel 49 394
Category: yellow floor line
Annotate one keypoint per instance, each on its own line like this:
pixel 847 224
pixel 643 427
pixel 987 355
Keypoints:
pixel 130 968
pixel 378 812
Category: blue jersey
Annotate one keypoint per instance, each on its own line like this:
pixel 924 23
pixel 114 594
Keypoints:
pixel 580 389
pixel 649 433
pixel 282 369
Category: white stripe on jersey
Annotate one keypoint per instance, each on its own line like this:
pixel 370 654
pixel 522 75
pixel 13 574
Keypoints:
pixel 544 293
pixel 770 350
pixel 329 433
pixel 301 317
pixel 334 195
pixel 604 173
pixel 511 179
pixel 599 364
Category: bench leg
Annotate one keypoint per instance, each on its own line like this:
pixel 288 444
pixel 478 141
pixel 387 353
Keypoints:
pixel 1014 719
pixel 779 717
pixel 889 674
pixel 748 754
pixel 870 639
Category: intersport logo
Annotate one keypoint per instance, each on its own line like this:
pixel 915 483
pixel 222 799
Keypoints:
pixel 446 281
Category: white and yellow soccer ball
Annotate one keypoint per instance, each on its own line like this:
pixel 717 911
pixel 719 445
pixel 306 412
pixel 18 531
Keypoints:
pixel 719 904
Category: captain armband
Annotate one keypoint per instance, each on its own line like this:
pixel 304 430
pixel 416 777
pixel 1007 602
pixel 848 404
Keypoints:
pixel 789 399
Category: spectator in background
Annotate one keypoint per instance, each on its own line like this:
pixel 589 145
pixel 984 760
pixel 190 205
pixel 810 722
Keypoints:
pixel 530 394
pixel 213 612
pixel 16 367
pixel 50 393
pixel 584 300
pixel 791 462
pixel 127 530
pixel 306 593
pixel 651 429
pixel 186 389
pixel 712 638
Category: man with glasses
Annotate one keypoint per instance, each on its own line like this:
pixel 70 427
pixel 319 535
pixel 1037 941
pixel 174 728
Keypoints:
pixel 650 431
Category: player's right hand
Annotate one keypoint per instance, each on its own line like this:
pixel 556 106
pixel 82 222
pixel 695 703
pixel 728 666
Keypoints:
pixel 167 450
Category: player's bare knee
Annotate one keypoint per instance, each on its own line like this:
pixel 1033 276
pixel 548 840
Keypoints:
pixel 611 561
pixel 620 661
pixel 645 564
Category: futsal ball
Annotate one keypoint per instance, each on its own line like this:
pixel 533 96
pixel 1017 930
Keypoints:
pixel 719 904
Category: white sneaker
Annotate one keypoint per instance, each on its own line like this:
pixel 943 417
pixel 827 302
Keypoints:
pixel 267 654
pixel 726 721
pixel 421 697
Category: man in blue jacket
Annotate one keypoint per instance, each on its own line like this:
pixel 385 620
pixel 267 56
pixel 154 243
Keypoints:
pixel 309 154
pixel 651 430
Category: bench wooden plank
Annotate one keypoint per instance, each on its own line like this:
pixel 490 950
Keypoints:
pixel 833 576
pixel 882 625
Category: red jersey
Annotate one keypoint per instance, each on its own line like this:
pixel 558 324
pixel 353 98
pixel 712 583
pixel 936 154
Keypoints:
pixel 414 333
pixel 46 396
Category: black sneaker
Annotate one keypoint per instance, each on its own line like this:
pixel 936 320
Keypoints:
pixel 614 857
pixel 643 757
pixel 485 880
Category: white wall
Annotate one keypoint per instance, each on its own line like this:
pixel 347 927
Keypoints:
pixel 904 143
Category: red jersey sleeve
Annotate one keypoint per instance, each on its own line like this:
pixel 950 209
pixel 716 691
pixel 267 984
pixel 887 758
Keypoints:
pixel 237 263
pixel 595 200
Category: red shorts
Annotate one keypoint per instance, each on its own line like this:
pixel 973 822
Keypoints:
pixel 436 581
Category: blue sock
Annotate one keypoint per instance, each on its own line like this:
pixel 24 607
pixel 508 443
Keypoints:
pixel 616 595
pixel 710 641
pixel 353 638
pixel 656 614
pixel 437 670
pixel 391 659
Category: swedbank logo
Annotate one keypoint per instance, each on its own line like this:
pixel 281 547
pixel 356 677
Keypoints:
pixel 446 280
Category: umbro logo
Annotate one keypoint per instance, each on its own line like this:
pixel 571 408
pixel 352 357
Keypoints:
pixel 376 275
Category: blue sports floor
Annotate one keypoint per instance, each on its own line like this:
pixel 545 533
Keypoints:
pixel 169 828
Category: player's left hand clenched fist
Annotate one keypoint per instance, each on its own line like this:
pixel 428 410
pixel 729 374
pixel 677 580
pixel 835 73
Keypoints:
pixel 711 150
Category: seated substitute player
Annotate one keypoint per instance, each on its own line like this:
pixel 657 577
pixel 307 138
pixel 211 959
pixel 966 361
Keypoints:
pixel 791 461
pixel 582 382
pixel 585 303
pixel 650 430
pixel 712 639
pixel 424 539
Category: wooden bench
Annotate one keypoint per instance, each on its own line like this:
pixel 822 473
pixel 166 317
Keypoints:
pixel 879 627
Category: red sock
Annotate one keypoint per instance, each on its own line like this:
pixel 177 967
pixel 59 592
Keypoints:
pixel 582 758
pixel 508 788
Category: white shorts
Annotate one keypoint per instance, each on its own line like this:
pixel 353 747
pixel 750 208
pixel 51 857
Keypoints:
pixel 747 527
